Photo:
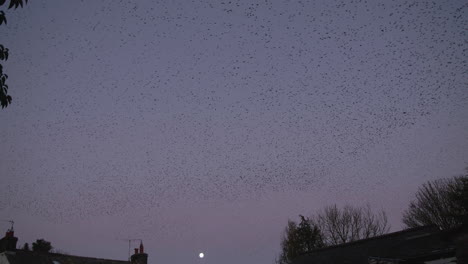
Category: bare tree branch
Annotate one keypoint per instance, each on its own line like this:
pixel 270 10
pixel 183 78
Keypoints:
pixel 439 202
pixel 350 224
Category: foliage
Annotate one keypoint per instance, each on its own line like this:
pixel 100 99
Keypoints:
pixel 26 247
pixel 5 99
pixel 41 245
pixel 14 3
pixel 299 239
pixel 349 224
pixel 2 18
pixel 331 226
pixel 442 202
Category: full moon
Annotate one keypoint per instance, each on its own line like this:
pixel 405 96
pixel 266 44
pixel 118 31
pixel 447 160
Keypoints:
pixel 201 255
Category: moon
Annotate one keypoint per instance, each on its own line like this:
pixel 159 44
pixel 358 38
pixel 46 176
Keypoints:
pixel 201 255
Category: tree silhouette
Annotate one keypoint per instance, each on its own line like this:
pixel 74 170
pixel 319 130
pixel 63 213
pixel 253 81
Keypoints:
pixel 299 239
pixel 26 247
pixel 331 226
pixel 442 202
pixel 350 224
pixel 5 99
pixel 41 245
pixel 459 196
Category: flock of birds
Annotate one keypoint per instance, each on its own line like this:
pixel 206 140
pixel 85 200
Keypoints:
pixel 122 106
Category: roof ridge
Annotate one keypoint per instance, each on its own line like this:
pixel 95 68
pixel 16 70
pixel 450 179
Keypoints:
pixel 430 227
pixel 67 255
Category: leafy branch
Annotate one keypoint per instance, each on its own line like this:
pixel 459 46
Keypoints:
pixel 5 99
pixel 14 3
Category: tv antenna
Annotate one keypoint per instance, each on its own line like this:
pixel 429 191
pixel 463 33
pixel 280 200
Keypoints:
pixel 129 244
pixel 11 222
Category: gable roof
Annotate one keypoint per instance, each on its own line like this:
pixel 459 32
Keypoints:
pixel 30 257
pixel 405 245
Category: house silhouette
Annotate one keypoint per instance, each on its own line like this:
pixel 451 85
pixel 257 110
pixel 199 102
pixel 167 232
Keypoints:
pixel 9 254
pixel 419 245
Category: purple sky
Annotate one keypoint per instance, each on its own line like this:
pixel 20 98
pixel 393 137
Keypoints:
pixel 205 125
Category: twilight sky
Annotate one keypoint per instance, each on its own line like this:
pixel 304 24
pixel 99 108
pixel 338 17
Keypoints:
pixel 205 125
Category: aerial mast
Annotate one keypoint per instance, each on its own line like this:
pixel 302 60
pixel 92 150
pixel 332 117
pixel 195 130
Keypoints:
pixel 129 245
pixel 12 224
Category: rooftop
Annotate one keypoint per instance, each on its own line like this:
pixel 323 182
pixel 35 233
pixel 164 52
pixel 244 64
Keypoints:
pixel 398 247
pixel 30 257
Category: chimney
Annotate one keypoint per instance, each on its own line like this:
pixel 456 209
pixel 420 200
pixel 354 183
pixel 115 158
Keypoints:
pixel 8 243
pixel 139 257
